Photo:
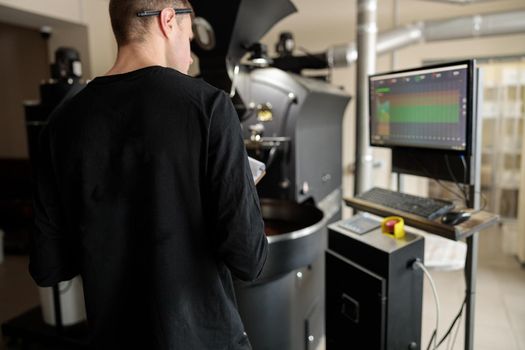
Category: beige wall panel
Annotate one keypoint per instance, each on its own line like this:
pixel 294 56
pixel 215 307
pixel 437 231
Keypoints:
pixel 102 45
pixel 95 42
pixel 23 64
pixel 69 10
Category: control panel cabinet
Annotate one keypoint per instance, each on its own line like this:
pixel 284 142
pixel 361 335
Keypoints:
pixel 373 295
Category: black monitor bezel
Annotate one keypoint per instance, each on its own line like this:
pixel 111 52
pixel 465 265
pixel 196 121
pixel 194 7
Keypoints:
pixel 471 67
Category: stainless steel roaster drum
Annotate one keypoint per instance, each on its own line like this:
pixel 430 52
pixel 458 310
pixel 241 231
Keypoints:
pixel 275 307
pixel 293 234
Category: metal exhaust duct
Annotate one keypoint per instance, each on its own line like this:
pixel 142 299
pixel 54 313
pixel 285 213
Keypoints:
pixel 366 64
pixel 456 28
pixel 476 26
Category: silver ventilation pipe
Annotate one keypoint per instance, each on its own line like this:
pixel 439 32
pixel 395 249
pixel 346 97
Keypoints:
pixel 476 26
pixel 345 55
pixel 400 37
pixel 456 28
pixel 366 64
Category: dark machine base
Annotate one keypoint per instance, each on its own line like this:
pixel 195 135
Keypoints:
pixel 28 331
pixel 287 312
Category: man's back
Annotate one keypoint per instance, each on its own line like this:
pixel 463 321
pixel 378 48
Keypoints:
pixel 144 189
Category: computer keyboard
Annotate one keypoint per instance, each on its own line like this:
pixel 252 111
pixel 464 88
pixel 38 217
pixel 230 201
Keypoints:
pixel 426 207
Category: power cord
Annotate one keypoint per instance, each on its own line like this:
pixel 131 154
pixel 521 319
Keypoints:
pixel 456 322
pixel 459 196
pixel 464 161
pixel 429 175
pixel 457 329
pixel 434 338
pixel 456 182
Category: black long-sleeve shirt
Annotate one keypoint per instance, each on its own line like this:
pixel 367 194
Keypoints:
pixel 144 189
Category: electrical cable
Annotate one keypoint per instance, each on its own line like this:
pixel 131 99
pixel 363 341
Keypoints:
pixel 456 182
pixel 456 332
pixel 434 337
pixel 448 343
pixel 485 201
pixel 457 319
pixel 438 181
pixel 463 160
pixel 460 196
pixel 483 205
pixel 464 168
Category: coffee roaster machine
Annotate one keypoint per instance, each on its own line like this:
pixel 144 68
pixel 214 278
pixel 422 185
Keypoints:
pixel 65 82
pixel 295 129
pixel 294 125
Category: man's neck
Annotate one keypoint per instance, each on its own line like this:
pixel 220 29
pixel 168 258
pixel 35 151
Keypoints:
pixel 136 56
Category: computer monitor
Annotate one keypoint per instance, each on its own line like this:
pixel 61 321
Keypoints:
pixel 428 117
pixel 429 107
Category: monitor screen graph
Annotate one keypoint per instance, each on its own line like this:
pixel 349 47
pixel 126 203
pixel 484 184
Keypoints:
pixel 425 108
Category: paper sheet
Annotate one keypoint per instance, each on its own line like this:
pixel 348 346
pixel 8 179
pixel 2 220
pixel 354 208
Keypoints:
pixel 258 169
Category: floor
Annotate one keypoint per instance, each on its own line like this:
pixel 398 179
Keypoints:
pixel 18 293
pixel 500 300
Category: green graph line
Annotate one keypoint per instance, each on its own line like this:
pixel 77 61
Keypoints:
pixel 423 113
pixel 383 90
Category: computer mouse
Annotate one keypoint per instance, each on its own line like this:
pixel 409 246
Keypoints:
pixel 455 217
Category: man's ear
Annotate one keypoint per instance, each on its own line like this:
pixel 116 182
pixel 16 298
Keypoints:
pixel 168 21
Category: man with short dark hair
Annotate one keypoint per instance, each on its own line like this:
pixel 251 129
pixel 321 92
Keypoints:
pixel 144 189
